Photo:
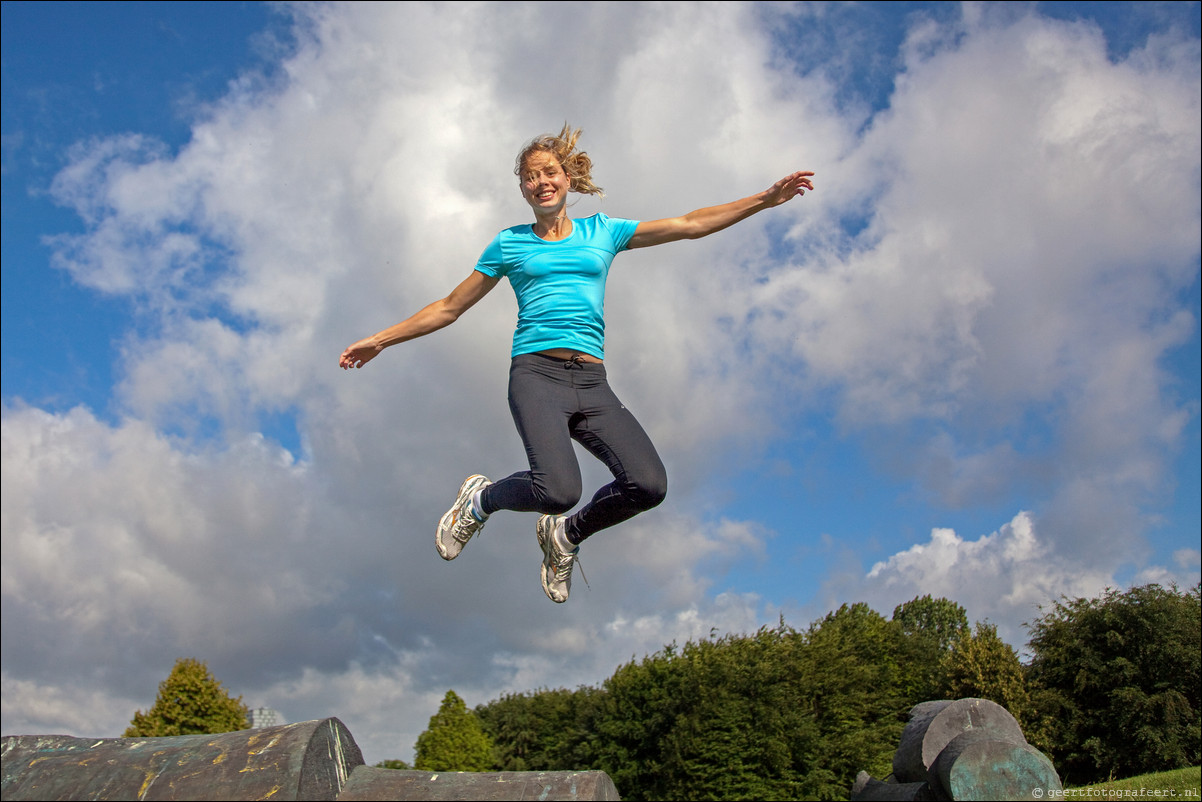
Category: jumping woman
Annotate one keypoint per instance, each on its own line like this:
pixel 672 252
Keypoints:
pixel 558 390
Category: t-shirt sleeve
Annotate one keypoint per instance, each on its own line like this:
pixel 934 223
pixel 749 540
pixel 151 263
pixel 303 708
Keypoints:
pixel 491 262
pixel 621 231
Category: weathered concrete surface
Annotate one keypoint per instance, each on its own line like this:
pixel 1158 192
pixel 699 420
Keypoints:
pixel 933 725
pixel 379 785
pixel 869 789
pixel 976 766
pixel 309 760
pixel 313 760
pixel 962 750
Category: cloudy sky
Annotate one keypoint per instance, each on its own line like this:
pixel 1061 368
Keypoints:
pixel 966 365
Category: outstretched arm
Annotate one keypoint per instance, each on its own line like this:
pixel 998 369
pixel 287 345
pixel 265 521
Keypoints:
pixel 703 222
pixel 432 318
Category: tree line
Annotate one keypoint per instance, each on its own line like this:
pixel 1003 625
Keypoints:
pixel 1111 689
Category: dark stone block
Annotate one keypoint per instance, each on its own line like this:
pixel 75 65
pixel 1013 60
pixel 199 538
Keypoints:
pixel 976 766
pixel 379 785
pixel 933 725
pixel 310 760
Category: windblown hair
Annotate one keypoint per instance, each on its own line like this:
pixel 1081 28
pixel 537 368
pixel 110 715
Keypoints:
pixel 576 163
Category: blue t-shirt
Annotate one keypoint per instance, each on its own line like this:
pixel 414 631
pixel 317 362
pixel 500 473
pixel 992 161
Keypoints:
pixel 560 286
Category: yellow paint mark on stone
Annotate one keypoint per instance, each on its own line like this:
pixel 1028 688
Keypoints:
pixel 146 784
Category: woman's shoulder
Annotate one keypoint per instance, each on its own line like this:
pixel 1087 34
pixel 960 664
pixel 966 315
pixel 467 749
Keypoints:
pixel 602 220
pixel 599 217
pixel 614 231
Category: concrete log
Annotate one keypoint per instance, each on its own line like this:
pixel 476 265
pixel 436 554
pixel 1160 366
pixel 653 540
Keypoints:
pixel 368 784
pixel 975 766
pixel 910 752
pixel 869 789
pixel 933 725
pixel 311 760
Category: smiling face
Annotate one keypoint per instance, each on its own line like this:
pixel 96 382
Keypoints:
pixel 544 183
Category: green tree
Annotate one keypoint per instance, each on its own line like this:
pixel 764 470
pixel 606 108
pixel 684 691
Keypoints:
pixel 717 719
pixel 398 765
pixel 453 740
pixel 983 666
pixel 1117 681
pixel 856 689
pixel 190 702
pixel 546 730
pixel 643 703
pixel 780 714
pixel 930 628
pixel 940 621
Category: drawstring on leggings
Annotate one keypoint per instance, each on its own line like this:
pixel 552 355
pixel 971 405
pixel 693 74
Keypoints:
pixel 575 363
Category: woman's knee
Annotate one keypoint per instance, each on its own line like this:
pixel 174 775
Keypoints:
pixel 648 491
pixel 557 496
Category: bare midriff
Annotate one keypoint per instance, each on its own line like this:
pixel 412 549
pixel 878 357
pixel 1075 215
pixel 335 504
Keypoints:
pixel 567 354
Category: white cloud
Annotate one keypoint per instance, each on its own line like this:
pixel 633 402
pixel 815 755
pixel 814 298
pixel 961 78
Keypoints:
pixel 1023 264
pixel 35 707
pixel 1004 577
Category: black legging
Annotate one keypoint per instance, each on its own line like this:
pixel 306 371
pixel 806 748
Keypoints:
pixel 553 402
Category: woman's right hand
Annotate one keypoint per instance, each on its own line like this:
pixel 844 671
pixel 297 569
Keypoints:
pixel 431 318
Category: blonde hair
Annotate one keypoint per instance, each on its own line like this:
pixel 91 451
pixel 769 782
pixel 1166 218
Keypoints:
pixel 576 163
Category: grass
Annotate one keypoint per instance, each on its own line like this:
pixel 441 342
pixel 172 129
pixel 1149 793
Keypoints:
pixel 1178 784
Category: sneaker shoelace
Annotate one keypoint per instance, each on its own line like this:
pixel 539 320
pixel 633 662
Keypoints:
pixel 465 527
pixel 562 563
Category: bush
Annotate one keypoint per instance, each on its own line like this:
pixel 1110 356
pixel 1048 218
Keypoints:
pixel 1117 681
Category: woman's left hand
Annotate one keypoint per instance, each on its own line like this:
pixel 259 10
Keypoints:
pixel 790 187
pixel 703 222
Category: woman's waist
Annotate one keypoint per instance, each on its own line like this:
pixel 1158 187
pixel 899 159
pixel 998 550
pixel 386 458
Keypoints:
pixel 569 355
pixel 559 365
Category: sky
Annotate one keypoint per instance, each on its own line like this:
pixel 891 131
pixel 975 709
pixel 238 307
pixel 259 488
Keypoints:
pixel 966 365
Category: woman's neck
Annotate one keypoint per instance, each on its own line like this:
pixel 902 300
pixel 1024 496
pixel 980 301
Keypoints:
pixel 553 227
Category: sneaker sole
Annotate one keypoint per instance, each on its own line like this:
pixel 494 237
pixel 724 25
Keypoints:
pixel 447 521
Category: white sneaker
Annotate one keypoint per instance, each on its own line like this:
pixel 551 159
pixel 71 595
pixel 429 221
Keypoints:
pixel 557 563
pixel 458 526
